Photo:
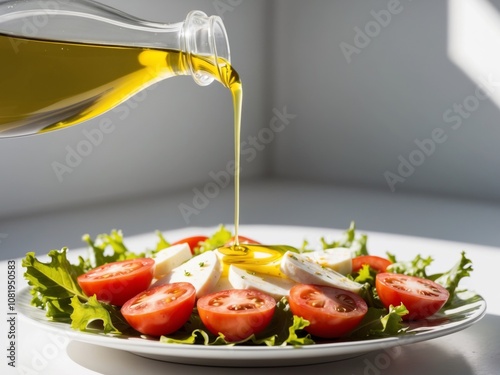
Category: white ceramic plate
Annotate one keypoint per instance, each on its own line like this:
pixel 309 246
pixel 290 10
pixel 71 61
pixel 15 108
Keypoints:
pixel 448 322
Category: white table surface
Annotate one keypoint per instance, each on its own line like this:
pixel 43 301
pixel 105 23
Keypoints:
pixel 474 227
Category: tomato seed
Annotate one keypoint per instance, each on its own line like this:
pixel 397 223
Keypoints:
pixel 246 306
pixel 309 294
pixel 319 304
pixel 348 303
pixel 427 293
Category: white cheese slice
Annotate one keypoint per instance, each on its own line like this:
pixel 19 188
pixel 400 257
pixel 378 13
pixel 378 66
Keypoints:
pixel 273 286
pixel 222 284
pixel 301 269
pixel 171 257
pixel 338 259
pixel 202 271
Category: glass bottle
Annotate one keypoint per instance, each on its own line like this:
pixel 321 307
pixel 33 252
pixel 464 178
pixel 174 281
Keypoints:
pixel 66 61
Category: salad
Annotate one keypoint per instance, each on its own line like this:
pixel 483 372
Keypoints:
pixel 205 290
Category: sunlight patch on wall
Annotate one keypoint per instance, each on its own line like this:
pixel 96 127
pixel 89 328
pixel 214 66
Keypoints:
pixel 473 42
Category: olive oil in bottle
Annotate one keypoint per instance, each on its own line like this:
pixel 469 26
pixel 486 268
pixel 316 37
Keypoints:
pixel 48 85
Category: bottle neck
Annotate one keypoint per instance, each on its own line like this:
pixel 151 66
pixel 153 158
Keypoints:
pixel 205 37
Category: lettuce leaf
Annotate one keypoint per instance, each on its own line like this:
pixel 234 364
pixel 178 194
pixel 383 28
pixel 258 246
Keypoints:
pixel 107 248
pixel 415 267
pixel 216 240
pixel 379 323
pixel 53 284
pixel 54 287
pixel 286 327
pixel 84 314
pixel 366 276
pixel 357 244
pixel 451 278
pixel 161 244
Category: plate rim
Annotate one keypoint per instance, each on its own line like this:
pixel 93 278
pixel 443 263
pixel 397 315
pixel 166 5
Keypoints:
pixel 243 356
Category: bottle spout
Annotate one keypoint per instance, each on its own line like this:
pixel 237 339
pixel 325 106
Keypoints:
pixel 205 36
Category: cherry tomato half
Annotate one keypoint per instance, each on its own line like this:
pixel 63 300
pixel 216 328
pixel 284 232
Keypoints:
pixel 331 312
pixel 420 296
pixel 160 310
pixel 193 242
pixel 117 282
pixel 241 240
pixel 236 313
pixel 376 263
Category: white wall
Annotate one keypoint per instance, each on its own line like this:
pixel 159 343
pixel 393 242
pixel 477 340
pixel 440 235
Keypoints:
pixel 355 119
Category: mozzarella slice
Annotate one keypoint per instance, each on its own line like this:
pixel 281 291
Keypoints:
pixel 301 269
pixel 222 284
pixel 167 259
pixel 202 271
pixel 273 286
pixel 338 259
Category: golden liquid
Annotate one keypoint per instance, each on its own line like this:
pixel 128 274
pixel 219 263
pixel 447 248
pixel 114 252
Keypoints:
pixel 254 258
pixel 49 85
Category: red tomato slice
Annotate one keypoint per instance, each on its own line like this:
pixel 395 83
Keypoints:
pixel 236 313
pixel 378 264
pixel 193 242
pixel 117 282
pixel 241 240
pixel 331 312
pixel 420 296
pixel 160 310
